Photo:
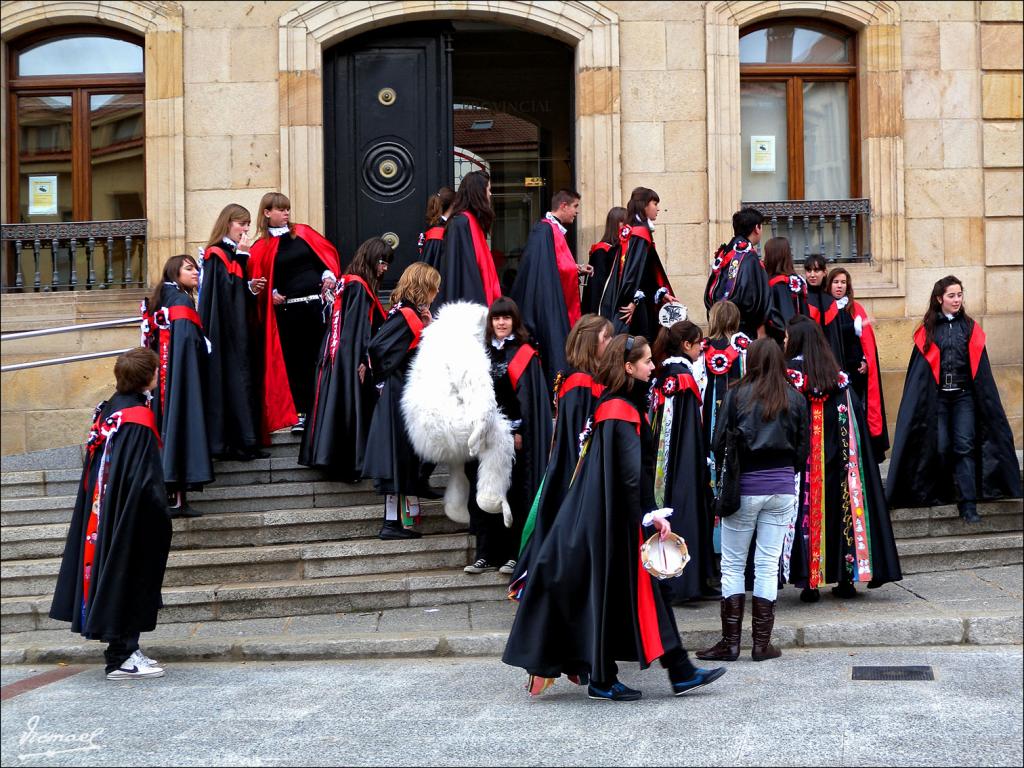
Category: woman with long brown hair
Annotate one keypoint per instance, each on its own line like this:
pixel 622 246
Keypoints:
pixel 769 423
pixel 787 291
pixel 226 302
pixel 467 267
pixel 601 259
pixel 431 241
pixel 952 441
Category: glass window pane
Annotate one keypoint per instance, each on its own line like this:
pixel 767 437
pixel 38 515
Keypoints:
pixel 81 56
pixel 826 141
pixel 44 158
pixel 117 156
pixel 763 115
pixel 793 44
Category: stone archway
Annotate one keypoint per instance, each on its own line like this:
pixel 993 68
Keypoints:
pixel 160 23
pixel 590 28
pixel 881 121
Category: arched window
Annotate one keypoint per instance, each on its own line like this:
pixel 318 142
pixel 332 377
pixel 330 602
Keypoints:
pixel 798 111
pixel 77 151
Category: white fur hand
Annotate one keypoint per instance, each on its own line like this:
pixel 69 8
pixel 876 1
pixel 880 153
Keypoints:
pixel 506 513
pixel 476 439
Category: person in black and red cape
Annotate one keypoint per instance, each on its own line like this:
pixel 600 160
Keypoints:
pixel 576 390
pixel 787 291
pixel 638 284
pixel 467 267
pixel 431 240
pixel 738 275
pixel 821 307
pixel 547 288
pixel 226 302
pixel 856 334
pixel 117 544
pixel 587 601
pixel 345 396
pixel 172 328
pixel 952 439
pixel 300 266
pixel 601 260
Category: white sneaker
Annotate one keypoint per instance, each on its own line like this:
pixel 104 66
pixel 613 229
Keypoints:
pixel 146 660
pixel 508 567
pixel 134 668
pixel 480 566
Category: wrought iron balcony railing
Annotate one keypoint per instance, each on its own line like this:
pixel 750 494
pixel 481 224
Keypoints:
pixel 73 255
pixel 839 230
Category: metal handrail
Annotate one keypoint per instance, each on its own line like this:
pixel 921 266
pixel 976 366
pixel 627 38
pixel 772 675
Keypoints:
pixel 59 360
pixel 70 329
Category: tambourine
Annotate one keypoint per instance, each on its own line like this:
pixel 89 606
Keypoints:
pixel 672 313
pixel 664 559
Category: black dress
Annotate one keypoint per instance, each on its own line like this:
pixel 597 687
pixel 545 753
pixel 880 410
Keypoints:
pixel 638 279
pixel 738 275
pixel 600 259
pixel 226 306
pixel 109 587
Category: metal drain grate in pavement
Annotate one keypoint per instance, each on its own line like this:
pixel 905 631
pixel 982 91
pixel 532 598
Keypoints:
pixel 893 673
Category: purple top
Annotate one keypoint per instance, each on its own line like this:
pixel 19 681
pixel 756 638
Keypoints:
pixel 768 482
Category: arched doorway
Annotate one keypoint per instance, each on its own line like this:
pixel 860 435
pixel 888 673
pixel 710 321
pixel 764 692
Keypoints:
pixel 411 108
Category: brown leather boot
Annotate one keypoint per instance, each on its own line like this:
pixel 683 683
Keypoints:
pixel 761 629
pixel 728 648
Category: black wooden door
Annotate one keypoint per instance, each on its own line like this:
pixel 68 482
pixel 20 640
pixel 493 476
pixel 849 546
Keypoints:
pixel 387 137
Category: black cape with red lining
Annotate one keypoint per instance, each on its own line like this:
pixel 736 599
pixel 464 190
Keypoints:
pixel 750 288
pixel 600 260
pixel 686 478
pixel 587 599
pixel 180 417
pixel 641 271
pixel 133 537
pixel 538 293
pixel 226 306
pixel 461 277
pixel 390 459
pixel 577 393
pixel 918 475
pixel 339 425
pixel 821 308
pixel 432 246
pixel 787 297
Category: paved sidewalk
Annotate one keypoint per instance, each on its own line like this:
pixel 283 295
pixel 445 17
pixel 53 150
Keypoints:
pixel 974 607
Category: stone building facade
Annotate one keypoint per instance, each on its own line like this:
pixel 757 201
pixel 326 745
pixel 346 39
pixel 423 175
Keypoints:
pixel 234 107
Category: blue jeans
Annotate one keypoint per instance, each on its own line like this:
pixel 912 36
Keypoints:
pixel 771 516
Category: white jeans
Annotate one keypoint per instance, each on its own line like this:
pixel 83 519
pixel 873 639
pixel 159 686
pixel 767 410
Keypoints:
pixel 771 516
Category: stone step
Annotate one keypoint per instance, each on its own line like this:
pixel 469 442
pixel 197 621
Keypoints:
pixel 237 529
pixel 292 597
pixel 996 517
pixel 946 553
pixel 281 562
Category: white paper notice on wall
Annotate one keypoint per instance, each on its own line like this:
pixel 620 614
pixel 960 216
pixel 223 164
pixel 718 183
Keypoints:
pixel 42 195
pixel 762 154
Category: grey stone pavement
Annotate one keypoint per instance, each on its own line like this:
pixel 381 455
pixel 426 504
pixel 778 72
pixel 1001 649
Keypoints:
pixel 802 709
pixel 979 607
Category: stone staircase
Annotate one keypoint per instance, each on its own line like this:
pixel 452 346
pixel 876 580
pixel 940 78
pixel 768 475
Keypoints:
pixel 276 540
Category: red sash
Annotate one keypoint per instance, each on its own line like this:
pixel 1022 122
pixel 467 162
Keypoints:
pixel 434 233
pixel 233 267
pixel 520 360
pixel 778 279
pixel 415 325
pixel 164 320
pixel 567 274
pixel 484 260
pixel 580 379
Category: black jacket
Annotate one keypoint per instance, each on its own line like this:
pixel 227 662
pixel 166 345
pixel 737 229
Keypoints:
pixel 764 444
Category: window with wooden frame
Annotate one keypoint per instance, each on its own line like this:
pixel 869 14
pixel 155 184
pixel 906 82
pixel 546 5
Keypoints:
pixel 798 118
pixel 76 126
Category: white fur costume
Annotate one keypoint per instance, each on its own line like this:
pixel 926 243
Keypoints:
pixel 451 414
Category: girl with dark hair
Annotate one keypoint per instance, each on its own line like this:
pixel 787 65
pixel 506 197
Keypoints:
pixel 345 396
pixel 522 395
pixel 226 301
pixel 638 284
pixel 439 210
pixel 467 268
pixel 859 356
pixel 769 421
pixel 821 307
pixel 389 458
pixel 171 327
pixel 843 531
pixel 576 391
pixel 300 267
pixel 952 439
pixel 787 291
pixel 680 480
pixel 738 275
pixel 600 259
pixel 586 602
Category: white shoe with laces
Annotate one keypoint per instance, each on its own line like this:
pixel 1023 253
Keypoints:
pixel 134 668
pixel 146 660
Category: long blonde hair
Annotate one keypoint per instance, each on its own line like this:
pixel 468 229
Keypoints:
pixel 418 285
pixel 232 212
pixel 269 201
pixel 724 320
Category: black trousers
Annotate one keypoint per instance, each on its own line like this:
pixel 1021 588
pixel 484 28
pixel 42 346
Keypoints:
pixel 119 649
pixel 955 411
pixel 301 330
pixel 494 542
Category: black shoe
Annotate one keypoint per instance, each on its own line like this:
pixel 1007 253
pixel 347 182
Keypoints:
pixel 185 510
pixel 392 529
pixel 845 591
pixel 700 678
pixel 429 492
pixel 809 596
pixel 300 425
pixel 250 454
pixel 617 692
pixel 969 514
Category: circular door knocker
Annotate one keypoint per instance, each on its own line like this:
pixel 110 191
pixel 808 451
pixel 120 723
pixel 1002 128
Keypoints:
pixel 387 96
pixel 391 239
pixel 388 169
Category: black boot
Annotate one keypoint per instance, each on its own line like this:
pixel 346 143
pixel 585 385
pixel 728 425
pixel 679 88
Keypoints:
pixel 969 511
pixel 392 529
pixel 762 622
pixel 845 590
pixel 728 648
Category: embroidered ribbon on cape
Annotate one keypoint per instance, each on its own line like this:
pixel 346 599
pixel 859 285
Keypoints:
pixel 858 502
pixel 816 483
